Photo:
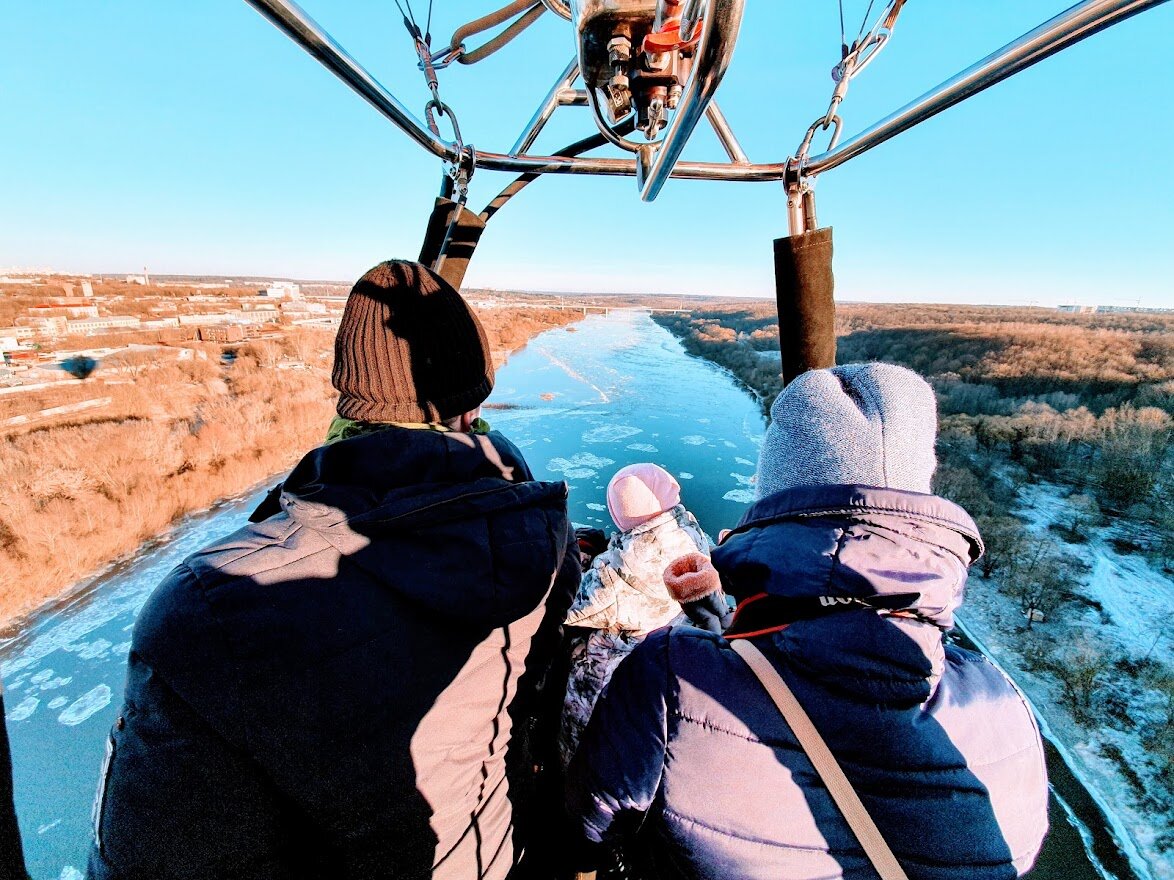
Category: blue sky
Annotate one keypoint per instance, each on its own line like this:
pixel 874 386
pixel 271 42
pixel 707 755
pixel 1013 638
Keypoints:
pixel 195 138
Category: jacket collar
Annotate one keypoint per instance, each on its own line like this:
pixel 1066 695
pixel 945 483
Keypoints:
pixel 812 502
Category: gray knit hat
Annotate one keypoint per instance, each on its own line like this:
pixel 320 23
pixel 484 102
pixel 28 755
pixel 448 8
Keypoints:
pixel 859 424
pixel 409 349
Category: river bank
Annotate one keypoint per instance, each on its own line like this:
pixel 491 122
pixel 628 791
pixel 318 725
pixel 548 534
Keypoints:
pixel 85 492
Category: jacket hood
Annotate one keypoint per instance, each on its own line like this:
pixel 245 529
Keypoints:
pixel 858 542
pixel 452 521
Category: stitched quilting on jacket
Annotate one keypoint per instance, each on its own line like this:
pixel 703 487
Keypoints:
pixel 621 599
pixel 941 748
pixel 338 691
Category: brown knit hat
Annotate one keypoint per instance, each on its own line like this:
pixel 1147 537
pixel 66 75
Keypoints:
pixel 409 349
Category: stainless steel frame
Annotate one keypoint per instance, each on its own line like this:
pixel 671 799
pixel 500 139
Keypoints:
pixel 719 35
pixel 1079 22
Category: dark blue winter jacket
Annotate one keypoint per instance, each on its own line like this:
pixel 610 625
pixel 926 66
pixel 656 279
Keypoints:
pixel 941 748
pixel 340 691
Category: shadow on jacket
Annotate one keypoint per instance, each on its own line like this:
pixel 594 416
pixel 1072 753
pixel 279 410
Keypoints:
pixel 11 850
pixel 941 748
pixel 346 689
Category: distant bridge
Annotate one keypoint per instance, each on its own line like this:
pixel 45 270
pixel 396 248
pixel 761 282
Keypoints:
pixel 597 308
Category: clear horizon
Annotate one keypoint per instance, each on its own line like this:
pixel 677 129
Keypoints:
pixel 259 163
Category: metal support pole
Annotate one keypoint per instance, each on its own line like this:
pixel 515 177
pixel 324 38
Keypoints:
pixel 719 35
pixel 1081 21
pixel 1076 24
pixel 552 101
pixel 725 134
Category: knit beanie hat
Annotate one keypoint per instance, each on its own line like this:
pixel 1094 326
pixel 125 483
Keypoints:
pixel 862 424
pixel 639 492
pixel 409 349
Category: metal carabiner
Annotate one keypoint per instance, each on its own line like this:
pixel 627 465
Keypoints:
pixel 435 104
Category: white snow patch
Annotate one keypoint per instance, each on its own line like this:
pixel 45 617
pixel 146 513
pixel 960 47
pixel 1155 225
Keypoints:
pixel 87 704
pixel 23 709
pixel 693 440
pixel 740 496
pixel 685 475
pixel 610 433
pixel 642 447
pixel 1135 596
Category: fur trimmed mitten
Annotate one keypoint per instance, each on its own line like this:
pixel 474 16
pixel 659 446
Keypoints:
pixel 694 582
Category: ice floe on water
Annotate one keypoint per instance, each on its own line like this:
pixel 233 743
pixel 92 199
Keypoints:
pixel 579 466
pixel 54 683
pixel 69 872
pixel 743 480
pixel 745 462
pixel 740 496
pixel 642 447
pixel 94 700
pixel 703 421
pixel 23 709
pixel 57 702
pixel 685 475
pixel 41 677
pixel 594 506
pixel 730 444
pixel 694 440
pixel 91 650
pixel 522 444
pixel 610 433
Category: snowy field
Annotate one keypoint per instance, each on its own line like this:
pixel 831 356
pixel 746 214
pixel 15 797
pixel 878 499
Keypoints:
pixel 1119 622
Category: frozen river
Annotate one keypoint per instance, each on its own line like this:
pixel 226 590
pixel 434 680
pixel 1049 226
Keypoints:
pixel 616 390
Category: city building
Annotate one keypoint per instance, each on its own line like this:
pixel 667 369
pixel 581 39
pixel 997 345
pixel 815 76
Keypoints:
pixel 222 333
pixel 49 326
pixel 63 311
pixel 96 325
pixel 283 290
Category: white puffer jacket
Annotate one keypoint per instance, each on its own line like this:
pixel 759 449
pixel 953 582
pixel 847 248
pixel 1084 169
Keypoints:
pixel 622 598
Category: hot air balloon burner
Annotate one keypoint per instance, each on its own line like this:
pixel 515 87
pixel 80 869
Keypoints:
pixel 633 61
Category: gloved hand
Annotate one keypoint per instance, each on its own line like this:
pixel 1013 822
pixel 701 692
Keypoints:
pixel 694 582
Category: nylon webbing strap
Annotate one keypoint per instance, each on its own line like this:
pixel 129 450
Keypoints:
pixel 456 230
pixel 824 761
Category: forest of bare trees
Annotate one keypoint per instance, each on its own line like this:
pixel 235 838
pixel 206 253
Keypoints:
pixel 1084 403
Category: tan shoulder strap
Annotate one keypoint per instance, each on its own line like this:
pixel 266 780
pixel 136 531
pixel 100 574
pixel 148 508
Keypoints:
pixel 825 763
